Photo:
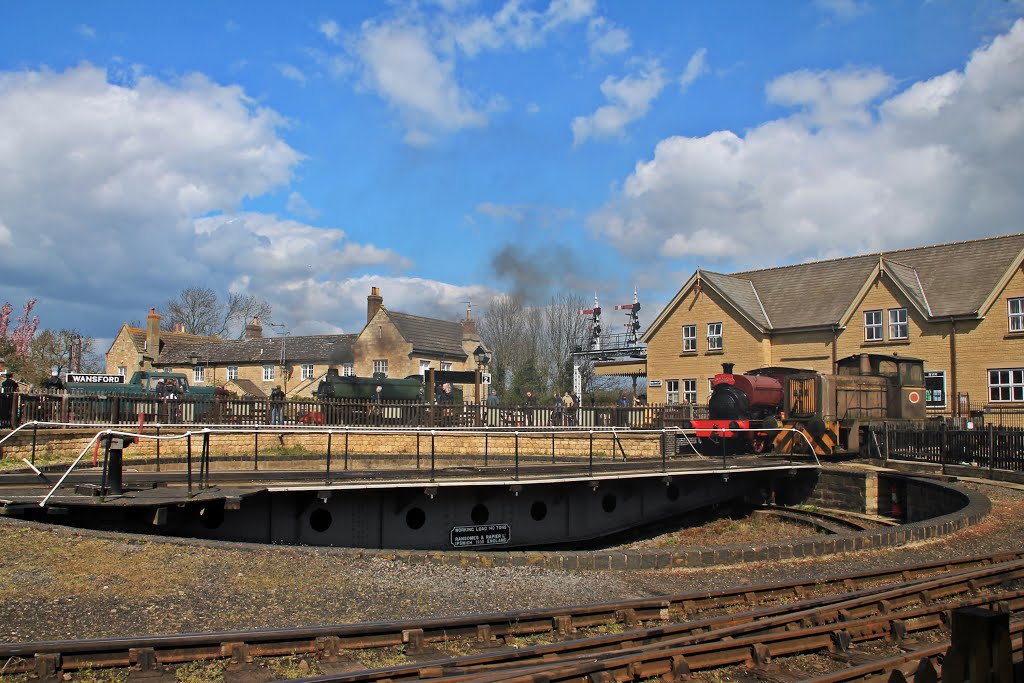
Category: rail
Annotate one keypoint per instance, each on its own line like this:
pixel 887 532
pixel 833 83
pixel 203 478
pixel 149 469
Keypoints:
pixel 582 458
pixel 116 409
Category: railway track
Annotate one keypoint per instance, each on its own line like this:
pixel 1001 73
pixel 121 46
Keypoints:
pixel 666 635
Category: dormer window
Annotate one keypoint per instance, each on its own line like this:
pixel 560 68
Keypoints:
pixel 1016 313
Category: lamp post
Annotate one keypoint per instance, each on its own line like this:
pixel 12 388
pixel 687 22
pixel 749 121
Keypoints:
pixel 481 357
pixel 284 352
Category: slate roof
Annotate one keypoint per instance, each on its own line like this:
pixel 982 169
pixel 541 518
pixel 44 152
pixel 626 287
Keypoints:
pixel 247 387
pixel 956 279
pixel 430 336
pixel 322 348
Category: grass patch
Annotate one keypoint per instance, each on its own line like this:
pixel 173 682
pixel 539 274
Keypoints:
pixel 292 667
pixel 100 676
pixel 202 672
pixel 380 658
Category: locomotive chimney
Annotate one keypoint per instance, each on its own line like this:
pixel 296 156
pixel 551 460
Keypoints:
pixel 865 364
pixel 153 333
pixel 727 368
pixel 373 303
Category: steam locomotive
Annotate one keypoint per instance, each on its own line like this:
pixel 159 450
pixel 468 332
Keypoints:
pixel 347 399
pixel 789 410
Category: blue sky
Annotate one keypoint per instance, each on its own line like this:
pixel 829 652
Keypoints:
pixel 451 150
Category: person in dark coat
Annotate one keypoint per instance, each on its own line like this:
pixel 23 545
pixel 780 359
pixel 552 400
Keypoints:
pixel 529 406
pixel 277 406
pixel 8 389
pixel 53 385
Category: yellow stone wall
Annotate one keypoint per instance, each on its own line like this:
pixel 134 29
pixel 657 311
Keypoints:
pixel 742 344
pixel 980 345
pixel 123 353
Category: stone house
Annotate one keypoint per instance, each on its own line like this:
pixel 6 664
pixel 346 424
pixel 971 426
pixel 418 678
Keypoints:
pixel 396 344
pixel 958 306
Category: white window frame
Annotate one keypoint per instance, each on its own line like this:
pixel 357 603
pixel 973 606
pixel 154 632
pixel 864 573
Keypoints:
pixel 380 365
pixel 671 391
pixel 1015 314
pixel 232 372
pixel 690 391
pixel 873 330
pixel 198 374
pixel 307 371
pixel 1006 385
pixel 689 338
pixel 445 366
pixel 424 367
pixel 268 373
pixel 899 323
pixel 122 370
pixel 715 341
pixel 348 370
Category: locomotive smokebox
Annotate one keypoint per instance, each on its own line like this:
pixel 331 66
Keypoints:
pixel 727 368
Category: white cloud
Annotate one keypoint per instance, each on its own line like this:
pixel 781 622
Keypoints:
pixel 297 204
pixel 292 73
pixel 520 27
pixel 112 183
pixel 330 30
pixel 5 235
pixel 831 97
pixel 695 68
pixel 939 161
pixel 401 66
pixel 630 97
pixel 86 31
pixel 605 38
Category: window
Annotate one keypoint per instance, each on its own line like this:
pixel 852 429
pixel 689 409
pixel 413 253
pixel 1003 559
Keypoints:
pixel 307 371
pixel 1016 312
pixel 122 370
pixel 145 345
pixel 671 391
pixel 445 367
pixel 348 370
pixel 232 372
pixel 1006 385
pixel 714 336
pixel 898 328
pixel 268 373
pixel 872 326
pixel 424 366
pixel 198 374
pixel 380 366
pixel 690 391
pixel 689 338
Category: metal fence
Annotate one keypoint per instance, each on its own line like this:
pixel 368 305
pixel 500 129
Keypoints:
pixel 124 410
pixel 980 414
pixel 988 446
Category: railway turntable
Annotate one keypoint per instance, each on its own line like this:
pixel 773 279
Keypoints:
pixel 492 500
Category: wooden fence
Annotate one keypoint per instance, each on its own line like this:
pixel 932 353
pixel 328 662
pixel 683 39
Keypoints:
pixel 988 446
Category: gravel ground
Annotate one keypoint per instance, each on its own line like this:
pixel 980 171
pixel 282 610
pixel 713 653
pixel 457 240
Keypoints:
pixel 57 583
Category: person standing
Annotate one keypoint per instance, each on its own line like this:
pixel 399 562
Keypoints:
pixel 492 400
pixel 277 406
pixel 8 400
pixel 530 405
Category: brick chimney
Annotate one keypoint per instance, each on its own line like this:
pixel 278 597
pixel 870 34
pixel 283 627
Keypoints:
pixel 469 325
pixel 153 334
pixel 253 330
pixel 373 303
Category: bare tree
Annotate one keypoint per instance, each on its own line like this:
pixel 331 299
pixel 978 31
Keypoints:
pixel 564 329
pixel 55 349
pixel 506 329
pixel 199 311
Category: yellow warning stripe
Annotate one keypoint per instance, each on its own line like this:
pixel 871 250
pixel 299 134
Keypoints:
pixel 793 442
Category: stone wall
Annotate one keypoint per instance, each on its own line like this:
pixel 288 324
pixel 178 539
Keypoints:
pixel 67 444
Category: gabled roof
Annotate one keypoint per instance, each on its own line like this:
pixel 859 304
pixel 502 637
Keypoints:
pixel 741 294
pixel 321 348
pixel 430 336
pixel 959 279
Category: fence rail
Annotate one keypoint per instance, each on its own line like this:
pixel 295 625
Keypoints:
pixel 987 446
pixel 125 410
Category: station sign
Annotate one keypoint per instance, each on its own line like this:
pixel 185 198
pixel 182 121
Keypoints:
pixel 94 379
pixel 485 378
pixel 655 383
pixel 480 534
